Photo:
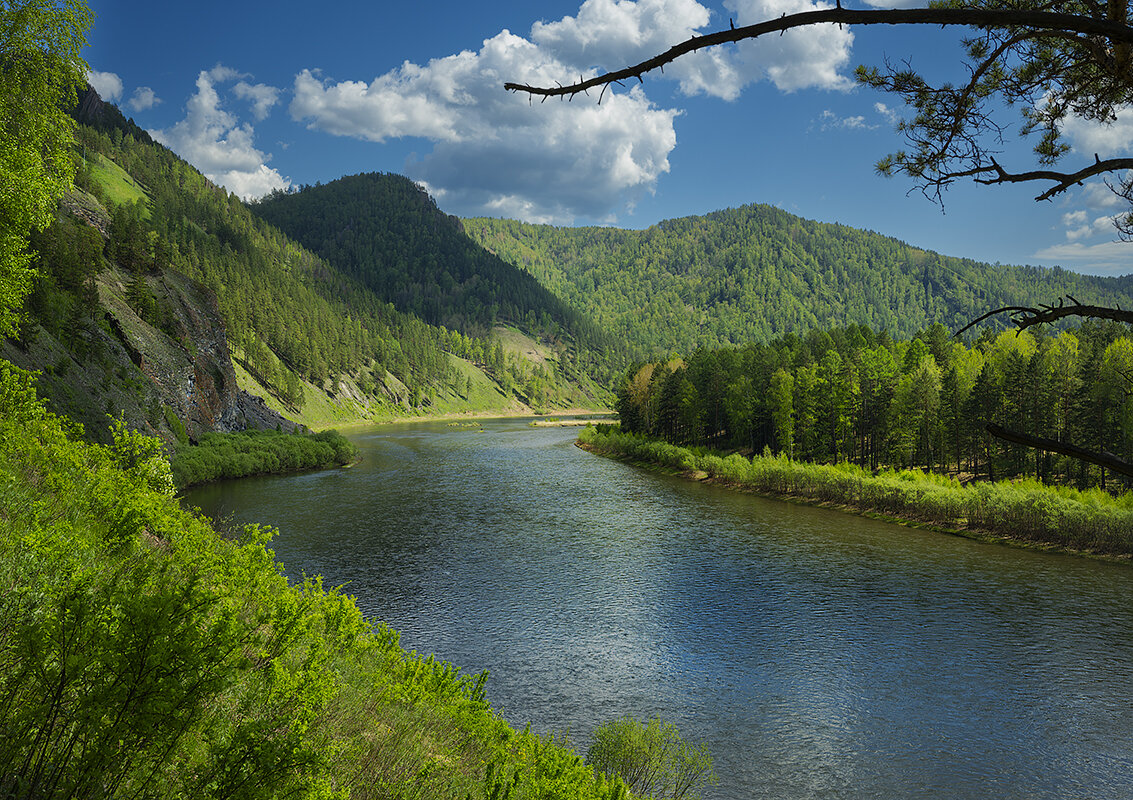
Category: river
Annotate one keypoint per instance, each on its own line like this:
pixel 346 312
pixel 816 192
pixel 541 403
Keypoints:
pixel 818 654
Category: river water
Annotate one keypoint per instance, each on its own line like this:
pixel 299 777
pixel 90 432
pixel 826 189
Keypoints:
pixel 818 654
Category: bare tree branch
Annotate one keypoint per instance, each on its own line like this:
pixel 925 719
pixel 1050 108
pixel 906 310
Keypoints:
pixel 1025 316
pixel 1103 459
pixel 1063 180
pixel 969 17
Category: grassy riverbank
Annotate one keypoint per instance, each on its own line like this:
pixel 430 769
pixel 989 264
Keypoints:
pixel 1092 521
pixel 219 456
pixel 142 654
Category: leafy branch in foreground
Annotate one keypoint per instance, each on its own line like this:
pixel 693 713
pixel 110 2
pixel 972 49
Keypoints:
pixel 1057 61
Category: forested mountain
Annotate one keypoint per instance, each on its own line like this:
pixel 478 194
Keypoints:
pixel 141 221
pixel 388 234
pixel 756 272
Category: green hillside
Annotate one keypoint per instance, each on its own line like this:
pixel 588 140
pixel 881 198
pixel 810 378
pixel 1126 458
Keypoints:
pixel 756 272
pixel 318 343
pixel 387 233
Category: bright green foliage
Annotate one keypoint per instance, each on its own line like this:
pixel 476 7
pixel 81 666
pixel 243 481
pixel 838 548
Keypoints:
pixel 1027 510
pixel 754 273
pixel 652 759
pixel 852 395
pixel 237 455
pixel 144 656
pixel 40 68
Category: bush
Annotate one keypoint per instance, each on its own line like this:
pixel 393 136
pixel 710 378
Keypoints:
pixel 651 758
pixel 238 455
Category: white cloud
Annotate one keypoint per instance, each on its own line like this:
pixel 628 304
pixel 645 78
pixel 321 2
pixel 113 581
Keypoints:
pixel 216 143
pixel 494 150
pixel 261 96
pixel 1098 195
pixel 107 84
pixel 1079 226
pixel 1106 258
pixel 828 120
pixel 889 114
pixel 805 58
pixel 1104 139
pixel 560 160
pixel 143 98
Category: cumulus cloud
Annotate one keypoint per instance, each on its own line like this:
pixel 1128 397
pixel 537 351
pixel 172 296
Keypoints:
pixel 260 95
pixel 217 144
pixel 805 58
pixel 143 98
pixel 495 152
pixel 107 84
pixel 1104 139
pixel 1080 226
pixel 887 113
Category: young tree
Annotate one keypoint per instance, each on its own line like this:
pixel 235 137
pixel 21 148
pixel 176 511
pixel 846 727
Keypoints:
pixel 40 69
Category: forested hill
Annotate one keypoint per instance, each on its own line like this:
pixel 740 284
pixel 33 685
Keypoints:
pixel 385 231
pixel 320 342
pixel 751 273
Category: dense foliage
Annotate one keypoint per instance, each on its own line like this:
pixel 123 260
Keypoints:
pixel 849 394
pixel 40 69
pixel 1025 510
pixel 387 233
pixel 237 455
pixel 144 656
pixel 757 272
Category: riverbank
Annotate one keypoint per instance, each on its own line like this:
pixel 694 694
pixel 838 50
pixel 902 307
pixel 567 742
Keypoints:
pixel 1025 513
pixel 222 456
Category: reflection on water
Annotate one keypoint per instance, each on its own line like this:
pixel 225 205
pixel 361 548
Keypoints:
pixel 819 654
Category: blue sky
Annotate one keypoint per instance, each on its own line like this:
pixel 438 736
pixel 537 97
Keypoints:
pixel 260 95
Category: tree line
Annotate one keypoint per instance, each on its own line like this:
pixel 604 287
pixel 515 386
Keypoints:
pixel 853 395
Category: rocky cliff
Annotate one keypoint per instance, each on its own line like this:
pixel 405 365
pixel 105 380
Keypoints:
pixel 173 379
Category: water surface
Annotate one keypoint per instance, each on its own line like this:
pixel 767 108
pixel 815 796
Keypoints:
pixel 818 654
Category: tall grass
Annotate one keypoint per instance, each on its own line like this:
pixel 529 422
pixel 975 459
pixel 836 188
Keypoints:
pixel 1029 510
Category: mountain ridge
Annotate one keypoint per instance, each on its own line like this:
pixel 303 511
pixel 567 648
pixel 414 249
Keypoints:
pixel 755 272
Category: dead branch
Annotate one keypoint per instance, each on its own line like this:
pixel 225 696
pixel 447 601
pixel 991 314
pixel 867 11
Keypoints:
pixel 1038 21
pixel 1024 316
pixel 1102 459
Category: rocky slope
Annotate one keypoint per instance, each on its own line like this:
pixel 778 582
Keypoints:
pixel 175 380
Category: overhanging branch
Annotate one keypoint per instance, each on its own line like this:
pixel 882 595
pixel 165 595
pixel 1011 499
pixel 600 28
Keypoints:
pixel 1039 21
pixel 1062 180
pixel 1026 316
pixel 1103 459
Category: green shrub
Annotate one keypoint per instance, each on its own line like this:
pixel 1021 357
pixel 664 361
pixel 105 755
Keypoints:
pixel 652 759
pixel 142 655
pixel 237 455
